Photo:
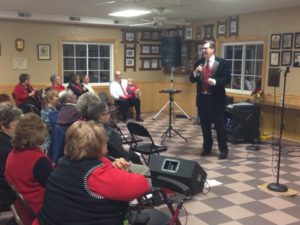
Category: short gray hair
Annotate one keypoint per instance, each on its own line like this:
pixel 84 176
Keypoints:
pixel 53 78
pixel 8 114
pixel 90 106
pixel 64 96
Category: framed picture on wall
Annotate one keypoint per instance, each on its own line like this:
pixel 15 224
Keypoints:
pixel 287 40
pixel 286 58
pixel 297 40
pixel 129 36
pixel 130 52
pixel 296 61
pixel 150 63
pixel 155 49
pixel 208 31
pixel 275 41
pixel 44 52
pixel 222 29
pixel 129 62
pixel 274 58
pixel 145 49
pixel 129 57
pixel 233 26
pixel 188 33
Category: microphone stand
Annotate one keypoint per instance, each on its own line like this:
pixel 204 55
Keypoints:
pixel 277 186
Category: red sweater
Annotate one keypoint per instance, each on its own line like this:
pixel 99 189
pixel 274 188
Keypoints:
pixel 132 91
pixel 59 88
pixel 115 184
pixel 21 93
pixel 19 172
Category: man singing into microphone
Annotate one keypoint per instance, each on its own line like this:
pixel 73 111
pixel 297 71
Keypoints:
pixel 211 75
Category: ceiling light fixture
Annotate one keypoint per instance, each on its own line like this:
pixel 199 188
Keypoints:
pixel 130 13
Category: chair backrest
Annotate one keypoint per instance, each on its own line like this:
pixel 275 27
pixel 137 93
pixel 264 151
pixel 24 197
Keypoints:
pixel 57 142
pixel 138 129
pixel 23 213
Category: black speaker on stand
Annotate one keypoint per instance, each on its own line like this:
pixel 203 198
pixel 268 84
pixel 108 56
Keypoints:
pixel 244 121
pixel 171 52
pixel 171 58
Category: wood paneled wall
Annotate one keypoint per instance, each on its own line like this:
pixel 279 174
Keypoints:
pixel 152 101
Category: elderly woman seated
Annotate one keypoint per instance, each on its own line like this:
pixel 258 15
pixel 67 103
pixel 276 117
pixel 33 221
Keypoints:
pixel 27 168
pixel 25 96
pixel 93 108
pixel 86 188
pixel 9 116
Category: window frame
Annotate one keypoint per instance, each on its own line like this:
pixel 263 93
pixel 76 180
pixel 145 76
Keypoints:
pixel 112 43
pixel 243 61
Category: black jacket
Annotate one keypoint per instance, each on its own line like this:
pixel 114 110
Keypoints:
pixel 7 195
pixel 221 74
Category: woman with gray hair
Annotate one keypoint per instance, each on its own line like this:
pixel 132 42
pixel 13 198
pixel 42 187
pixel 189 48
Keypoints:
pixel 9 116
pixel 92 107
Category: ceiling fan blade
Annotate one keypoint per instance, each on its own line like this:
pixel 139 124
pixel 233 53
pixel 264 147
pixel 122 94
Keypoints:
pixel 177 22
pixel 141 24
pixel 107 3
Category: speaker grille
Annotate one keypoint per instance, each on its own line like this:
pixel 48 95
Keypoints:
pixel 171 51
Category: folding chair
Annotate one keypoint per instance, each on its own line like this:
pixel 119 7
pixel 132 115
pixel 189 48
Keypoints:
pixel 147 147
pixel 23 213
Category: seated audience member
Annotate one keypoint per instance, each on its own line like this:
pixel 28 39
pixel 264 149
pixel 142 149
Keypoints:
pixel 50 96
pixel 25 95
pixel 132 89
pixel 92 107
pixel 67 115
pixel 4 98
pixel 56 83
pixel 27 168
pixel 85 80
pixel 9 116
pixel 76 86
pixel 118 92
pixel 86 188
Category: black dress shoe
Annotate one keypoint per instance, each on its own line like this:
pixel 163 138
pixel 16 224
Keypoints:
pixel 205 153
pixel 222 157
pixel 139 119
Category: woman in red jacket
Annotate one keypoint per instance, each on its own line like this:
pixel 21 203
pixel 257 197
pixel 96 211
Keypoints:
pixel 86 188
pixel 24 94
pixel 27 167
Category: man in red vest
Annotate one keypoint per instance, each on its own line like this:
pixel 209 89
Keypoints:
pixel 211 74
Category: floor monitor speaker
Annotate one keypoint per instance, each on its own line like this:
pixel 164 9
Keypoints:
pixel 244 121
pixel 187 172
pixel 171 51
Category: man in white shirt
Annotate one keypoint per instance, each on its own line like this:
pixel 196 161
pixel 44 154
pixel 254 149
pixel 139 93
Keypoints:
pixel 118 92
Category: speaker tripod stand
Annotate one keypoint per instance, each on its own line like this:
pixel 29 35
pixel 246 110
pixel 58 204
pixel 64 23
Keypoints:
pixel 170 128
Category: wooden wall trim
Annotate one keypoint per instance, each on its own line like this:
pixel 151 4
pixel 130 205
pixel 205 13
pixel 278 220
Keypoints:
pixel 153 101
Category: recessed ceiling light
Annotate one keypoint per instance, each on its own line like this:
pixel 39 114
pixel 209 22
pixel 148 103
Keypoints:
pixel 130 13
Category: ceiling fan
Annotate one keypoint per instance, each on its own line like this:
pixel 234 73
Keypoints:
pixel 118 1
pixel 160 20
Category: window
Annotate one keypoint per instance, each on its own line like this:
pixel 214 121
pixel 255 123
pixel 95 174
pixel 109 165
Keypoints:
pixel 245 60
pixel 95 59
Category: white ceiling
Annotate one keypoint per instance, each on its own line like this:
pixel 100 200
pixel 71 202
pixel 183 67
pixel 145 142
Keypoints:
pixel 93 11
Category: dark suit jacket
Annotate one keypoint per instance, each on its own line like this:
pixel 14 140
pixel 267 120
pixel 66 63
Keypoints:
pixel 222 76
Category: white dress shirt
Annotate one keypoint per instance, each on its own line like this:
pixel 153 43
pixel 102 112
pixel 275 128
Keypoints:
pixel 116 90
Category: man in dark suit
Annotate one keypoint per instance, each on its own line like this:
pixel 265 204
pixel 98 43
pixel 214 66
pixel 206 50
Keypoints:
pixel 211 74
